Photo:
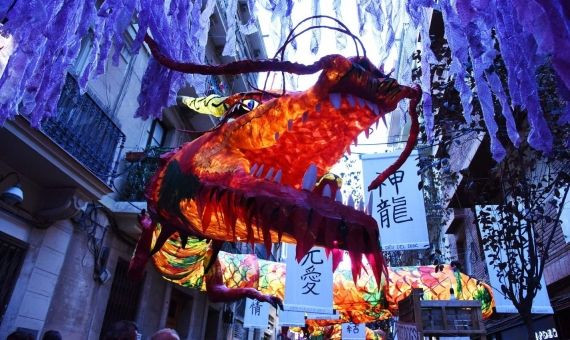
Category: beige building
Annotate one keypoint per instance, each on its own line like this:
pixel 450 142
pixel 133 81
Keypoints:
pixel 64 250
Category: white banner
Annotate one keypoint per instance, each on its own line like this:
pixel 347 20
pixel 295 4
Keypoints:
pixel 309 283
pixel 352 331
pixel 541 302
pixel 398 205
pixel 256 314
pixel 295 318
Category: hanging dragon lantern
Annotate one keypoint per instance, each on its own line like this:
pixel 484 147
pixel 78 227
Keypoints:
pixel 260 176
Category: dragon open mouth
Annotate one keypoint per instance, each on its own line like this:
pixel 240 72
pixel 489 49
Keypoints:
pixel 255 177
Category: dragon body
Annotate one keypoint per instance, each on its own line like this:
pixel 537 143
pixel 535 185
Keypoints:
pixel 359 302
pixel 259 176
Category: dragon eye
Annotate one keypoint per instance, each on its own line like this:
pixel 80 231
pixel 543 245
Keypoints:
pixel 251 104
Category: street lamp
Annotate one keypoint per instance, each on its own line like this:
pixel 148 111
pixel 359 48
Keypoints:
pixel 13 194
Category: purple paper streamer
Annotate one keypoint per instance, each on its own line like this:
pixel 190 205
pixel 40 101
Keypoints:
pixel 315 34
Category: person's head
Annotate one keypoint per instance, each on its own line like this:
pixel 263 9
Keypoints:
pixel 51 335
pixel 165 334
pixel 20 335
pixel 123 330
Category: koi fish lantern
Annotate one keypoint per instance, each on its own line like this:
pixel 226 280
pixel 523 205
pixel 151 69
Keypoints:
pixel 260 176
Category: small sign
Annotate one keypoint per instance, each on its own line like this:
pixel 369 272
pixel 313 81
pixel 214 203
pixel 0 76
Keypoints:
pixel 405 331
pixel 398 205
pixel 256 314
pixel 353 331
pixel 309 283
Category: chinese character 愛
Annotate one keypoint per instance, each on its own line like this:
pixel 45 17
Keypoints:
pixel 312 274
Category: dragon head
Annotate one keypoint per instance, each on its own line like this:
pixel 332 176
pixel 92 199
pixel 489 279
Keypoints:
pixel 260 176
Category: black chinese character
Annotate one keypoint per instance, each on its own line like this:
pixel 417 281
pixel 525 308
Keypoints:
pixel 380 188
pixel 309 286
pixel 310 255
pixel 383 211
pixel 355 329
pixel 311 274
pixel 255 307
pixel 400 210
pixel 395 178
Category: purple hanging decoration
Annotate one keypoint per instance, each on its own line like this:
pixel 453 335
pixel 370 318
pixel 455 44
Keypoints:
pixel 340 37
pixel 361 8
pixel 428 59
pixel 315 34
pixel 482 58
pixel 460 57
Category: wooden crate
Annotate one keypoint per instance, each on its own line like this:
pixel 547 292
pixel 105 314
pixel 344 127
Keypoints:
pixel 442 317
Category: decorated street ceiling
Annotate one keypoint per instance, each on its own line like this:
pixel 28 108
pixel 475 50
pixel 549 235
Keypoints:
pixel 360 302
pixel 262 175
pixel 44 38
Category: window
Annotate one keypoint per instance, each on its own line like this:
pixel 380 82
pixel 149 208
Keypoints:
pixel 12 254
pixel 212 323
pixel 124 298
pixel 179 312
pixel 156 134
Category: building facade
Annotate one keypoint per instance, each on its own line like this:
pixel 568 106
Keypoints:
pixel 64 250
pixel 465 172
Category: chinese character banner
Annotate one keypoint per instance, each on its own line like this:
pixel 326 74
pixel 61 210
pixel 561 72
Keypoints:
pixel 397 204
pixel 309 283
pixel 256 314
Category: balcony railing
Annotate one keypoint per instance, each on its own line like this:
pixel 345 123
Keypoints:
pixel 85 131
pixel 213 86
pixel 139 174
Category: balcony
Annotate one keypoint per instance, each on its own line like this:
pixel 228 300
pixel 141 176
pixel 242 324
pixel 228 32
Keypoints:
pixel 213 86
pixel 85 131
pixel 140 172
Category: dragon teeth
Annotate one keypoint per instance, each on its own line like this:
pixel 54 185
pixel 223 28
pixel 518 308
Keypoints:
pixel 361 205
pixel 351 100
pixel 259 171
pixel 310 177
pixel 370 204
pixel 335 98
pixel 269 174
pixel 338 196
pixel 384 121
pixel 360 101
pixel 278 175
pixel 350 202
pixel 375 109
pixel 253 169
pixel 327 191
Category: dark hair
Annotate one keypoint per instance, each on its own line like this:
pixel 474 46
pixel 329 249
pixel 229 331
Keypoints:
pixel 52 335
pixel 121 330
pixel 20 335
